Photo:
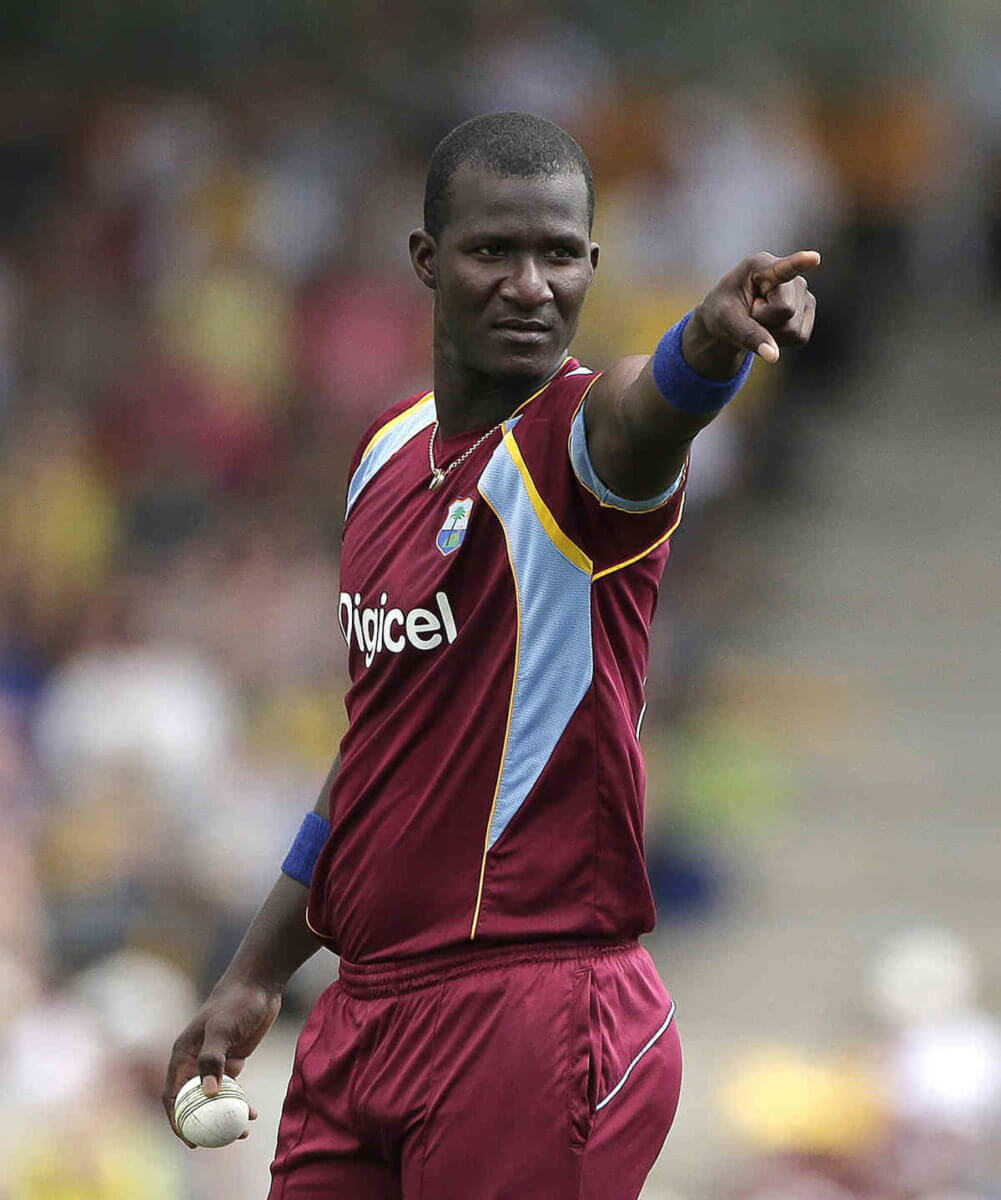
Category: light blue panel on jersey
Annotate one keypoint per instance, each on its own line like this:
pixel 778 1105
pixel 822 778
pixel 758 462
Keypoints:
pixel 554 665
pixel 580 458
pixel 392 437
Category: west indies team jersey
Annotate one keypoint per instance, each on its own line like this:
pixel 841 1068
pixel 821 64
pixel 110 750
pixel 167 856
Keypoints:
pixel 491 781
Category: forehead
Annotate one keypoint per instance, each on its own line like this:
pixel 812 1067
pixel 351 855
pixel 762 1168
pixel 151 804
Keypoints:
pixel 480 198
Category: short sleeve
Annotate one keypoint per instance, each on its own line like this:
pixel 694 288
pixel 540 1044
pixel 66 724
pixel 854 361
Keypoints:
pixel 609 530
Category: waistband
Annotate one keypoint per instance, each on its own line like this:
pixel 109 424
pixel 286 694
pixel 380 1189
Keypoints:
pixel 372 981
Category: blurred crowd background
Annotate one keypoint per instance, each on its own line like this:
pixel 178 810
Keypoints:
pixel 205 297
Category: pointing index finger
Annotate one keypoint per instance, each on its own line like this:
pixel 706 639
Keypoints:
pixel 782 270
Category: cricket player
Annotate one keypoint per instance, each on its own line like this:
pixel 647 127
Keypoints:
pixel 475 858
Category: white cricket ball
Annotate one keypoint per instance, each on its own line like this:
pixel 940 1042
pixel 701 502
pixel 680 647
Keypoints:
pixel 212 1120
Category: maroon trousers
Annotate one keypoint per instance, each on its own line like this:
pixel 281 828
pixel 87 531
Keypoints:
pixel 532 1072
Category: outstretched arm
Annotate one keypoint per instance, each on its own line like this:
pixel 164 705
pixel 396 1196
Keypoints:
pixel 637 439
pixel 248 997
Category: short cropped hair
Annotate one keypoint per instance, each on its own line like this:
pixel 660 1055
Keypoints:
pixel 507 143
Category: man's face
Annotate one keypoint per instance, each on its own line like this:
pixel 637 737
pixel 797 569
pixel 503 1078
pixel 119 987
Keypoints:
pixel 511 269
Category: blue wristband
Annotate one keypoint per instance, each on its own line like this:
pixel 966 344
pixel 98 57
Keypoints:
pixel 309 841
pixel 687 389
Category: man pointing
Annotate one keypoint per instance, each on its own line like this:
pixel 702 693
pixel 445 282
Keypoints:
pixel 476 854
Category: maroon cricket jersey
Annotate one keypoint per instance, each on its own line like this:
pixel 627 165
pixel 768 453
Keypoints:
pixel 491 781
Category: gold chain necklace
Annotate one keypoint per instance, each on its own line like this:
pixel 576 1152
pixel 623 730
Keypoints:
pixel 438 474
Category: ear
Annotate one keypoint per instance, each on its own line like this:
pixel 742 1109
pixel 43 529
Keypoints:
pixel 595 251
pixel 424 257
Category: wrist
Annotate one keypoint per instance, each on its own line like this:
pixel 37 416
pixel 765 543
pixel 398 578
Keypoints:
pixel 690 390
pixel 707 355
pixel 247 977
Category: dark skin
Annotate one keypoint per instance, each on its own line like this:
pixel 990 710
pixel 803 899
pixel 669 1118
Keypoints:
pixel 243 1005
pixel 510 272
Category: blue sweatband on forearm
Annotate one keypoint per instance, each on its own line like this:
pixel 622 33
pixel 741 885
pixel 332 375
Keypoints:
pixel 301 858
pixel 687 389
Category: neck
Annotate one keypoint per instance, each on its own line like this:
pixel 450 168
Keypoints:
pixel 468 399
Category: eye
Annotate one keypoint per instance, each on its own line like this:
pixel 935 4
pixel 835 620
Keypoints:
pixel 489 250
pixel 562 253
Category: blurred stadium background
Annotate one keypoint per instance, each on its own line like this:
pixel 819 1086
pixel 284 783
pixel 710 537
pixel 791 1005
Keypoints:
pixel 205 295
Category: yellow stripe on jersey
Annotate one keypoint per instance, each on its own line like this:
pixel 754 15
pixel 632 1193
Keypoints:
pixel 507 728
pixel 570 550
pixel 381 433
pixel 636 557
pixel 387 442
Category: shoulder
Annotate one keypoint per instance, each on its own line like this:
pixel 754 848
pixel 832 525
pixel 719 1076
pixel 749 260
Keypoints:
pixel 387 434
pixel 412 410
pixel 587 521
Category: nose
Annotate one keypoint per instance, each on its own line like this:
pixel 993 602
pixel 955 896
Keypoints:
pixel 526 284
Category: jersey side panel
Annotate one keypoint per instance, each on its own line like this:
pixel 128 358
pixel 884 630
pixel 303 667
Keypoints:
pixel 628 552
pixel 553 661
pixel 574 852
pixel 625 602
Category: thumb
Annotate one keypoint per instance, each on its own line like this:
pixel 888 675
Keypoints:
pixel 212 1059
pixel 746 332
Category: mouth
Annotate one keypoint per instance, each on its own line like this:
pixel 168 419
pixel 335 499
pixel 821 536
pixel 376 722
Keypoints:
pixel 521 330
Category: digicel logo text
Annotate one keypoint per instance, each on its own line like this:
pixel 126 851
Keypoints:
pixel 382 628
